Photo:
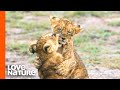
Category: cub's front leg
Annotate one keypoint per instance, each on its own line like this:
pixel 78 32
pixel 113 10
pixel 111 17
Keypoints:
pixel 65 67
pixel 37 63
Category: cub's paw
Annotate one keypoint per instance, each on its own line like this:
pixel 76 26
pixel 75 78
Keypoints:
pixel 37 63
pixel 65 67
pixel 62 69
pixel 33 48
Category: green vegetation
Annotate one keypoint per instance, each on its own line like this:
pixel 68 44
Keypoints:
pixel 87 13
pixel 90 48
pixel 118 44
pixel 114 23
pixel 113 63
pixel 101 33
pixel 40 13
pixel 29 26
pixel 14 15
pixel 81 39
pixel 16 20
pixel 21 48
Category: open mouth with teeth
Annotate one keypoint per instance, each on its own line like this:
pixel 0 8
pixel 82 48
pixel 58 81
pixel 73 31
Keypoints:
pixel 62 40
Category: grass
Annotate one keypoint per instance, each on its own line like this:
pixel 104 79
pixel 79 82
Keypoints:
pixel 34 26
pixel 92 42
pixel 14 15
pixel 74 13
pixel 113 63
pixel 40 13
pixel 31 26
pixel 114 23
pixel 95 61
pixel 15 20
pixel 21 48
pixel 90 48
pixel 91 60
pixel 101 33
pixel 118 44
pixel 118 52
pixel 118 41
pixel 87 13
pixel 81 39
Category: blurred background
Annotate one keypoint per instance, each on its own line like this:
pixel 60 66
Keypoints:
pixel 98 45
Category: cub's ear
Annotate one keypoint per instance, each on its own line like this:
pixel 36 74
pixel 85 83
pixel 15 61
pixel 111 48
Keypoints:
pixel 47 48
pixel 78 26
pixel 33 48
pixel 52 17
pixel 78 29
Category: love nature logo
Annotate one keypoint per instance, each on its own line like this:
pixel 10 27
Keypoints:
pixel 19 70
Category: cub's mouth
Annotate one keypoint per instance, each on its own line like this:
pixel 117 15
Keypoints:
pixel 62 40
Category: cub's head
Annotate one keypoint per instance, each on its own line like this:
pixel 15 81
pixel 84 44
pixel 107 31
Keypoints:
pixel 64 27
pixel 46 44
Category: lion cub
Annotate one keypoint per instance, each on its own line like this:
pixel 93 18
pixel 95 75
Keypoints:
pixel 67 29
pixel 72 66
pixel 46 49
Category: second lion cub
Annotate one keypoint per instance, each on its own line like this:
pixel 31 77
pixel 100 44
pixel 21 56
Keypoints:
pixel 46 49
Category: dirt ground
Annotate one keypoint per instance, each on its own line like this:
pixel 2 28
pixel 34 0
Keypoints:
pixel 95 71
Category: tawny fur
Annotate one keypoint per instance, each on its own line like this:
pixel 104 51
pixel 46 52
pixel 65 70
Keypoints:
pixel 46 49
pixel 67 30
pixel 71 66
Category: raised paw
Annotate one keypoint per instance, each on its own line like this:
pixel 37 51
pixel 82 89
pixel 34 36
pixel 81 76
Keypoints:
pixel 37 63
pixel 65 67
pixel 62 70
